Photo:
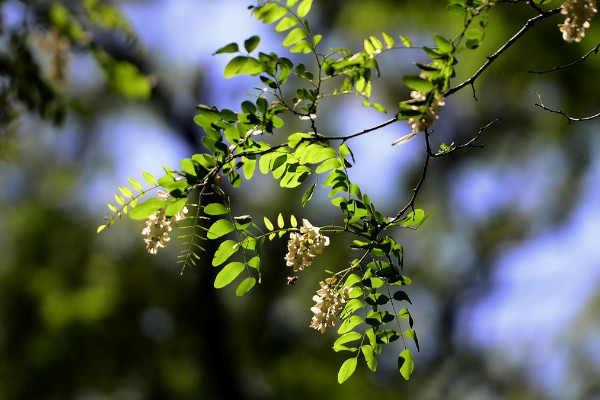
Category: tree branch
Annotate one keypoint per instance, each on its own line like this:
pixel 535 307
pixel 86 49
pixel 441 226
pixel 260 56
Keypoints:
pixel 568 117
pixel 581 59
pixel 490 59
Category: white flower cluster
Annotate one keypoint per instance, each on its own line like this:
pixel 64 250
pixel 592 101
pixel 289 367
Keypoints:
pixel 578 16
pixel 329 303
pixel 303 246
pixel 158 226
pixel 419 124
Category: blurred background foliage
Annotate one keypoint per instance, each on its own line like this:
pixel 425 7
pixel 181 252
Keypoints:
pixel 505 270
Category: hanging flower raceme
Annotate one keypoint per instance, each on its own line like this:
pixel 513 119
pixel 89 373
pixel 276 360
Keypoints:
pixel 329 303
pixel 304 245
pixel 158 226
pixel 424 121
pixel 578 16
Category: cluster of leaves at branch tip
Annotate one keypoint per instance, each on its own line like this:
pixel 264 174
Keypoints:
pixel 362 296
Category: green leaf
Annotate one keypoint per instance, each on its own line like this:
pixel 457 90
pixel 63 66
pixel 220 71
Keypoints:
pixel 352 280
pixel 294 36
pixel 415 82
pixel 327 165
pixel 243 65
pixel 296 138
pixel 308 194
pixel 280 222
pixel 293 221
pixel 135 184
pixel 347 369
pixel 405 41
pixel 349 324
pixel 219 228
pixel 379 108
pixel 347 337
pixel 229 48
pixel 125 191
pixel 400 280
pixel 251 43
pixel 401 295
pixel 387 336
pixel 242 221
pixel 254 262
pixel 351 306
pixel 249 166
pixel 268 224
pixel 175 206
pixel 302 47
pixel 215 209
pixel 245 286
pixel 272 13
pixel 145 209
pixel 444 45
pixel 455 9
pixel 225 250
pixel 405 314
pixel 405 363
pixel 411 334
pixel 389 41
pixel 286 23
pixel 188 166
pixel 344 150
pixel 369 354
pixel 228 274
pixel 304 8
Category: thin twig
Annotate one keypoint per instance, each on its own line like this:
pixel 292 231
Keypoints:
pixel 581 59
pixel 470 143
pixel 568 117
pixel 530 22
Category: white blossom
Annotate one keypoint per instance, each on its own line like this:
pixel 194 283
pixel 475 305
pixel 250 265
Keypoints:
pixel 156 232
pixel 158 225
pixel 305 245
pixel 329 302
pixel 578 16
pixel 423 122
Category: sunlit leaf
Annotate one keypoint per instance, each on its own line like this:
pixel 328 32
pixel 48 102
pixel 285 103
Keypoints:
pixel 286 23
pixel 245 286
pixel 308 194
pixel 349 324
pixel 347 369
pixel 228 274
pixel 369 355
pixel 225 250
pixel 415 82
pixel 149 178
pixel 230 48
pixel 405 363
pixel 268 223
pixel 294 36
pixel 304 8
pixel 145 209
pixel 215 209
pixel 219 228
